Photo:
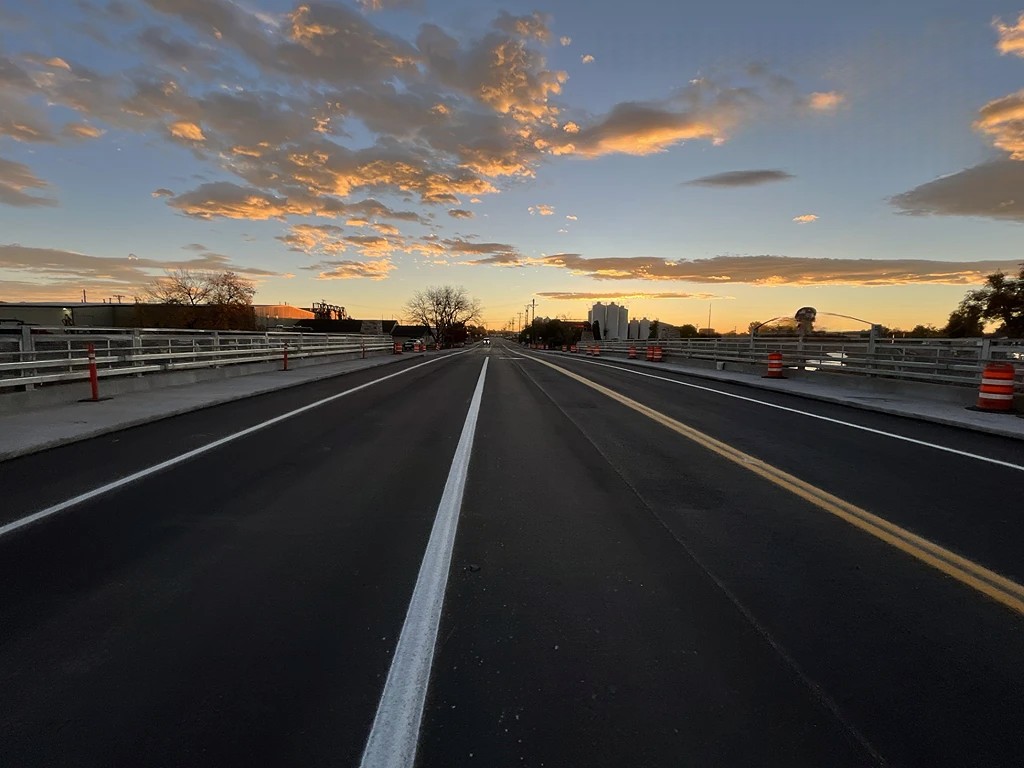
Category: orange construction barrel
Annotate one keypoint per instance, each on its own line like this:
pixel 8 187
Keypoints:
pixel 774 366
pixel 650 354
pixel 632 352
pixel 657 355
pixel 995 393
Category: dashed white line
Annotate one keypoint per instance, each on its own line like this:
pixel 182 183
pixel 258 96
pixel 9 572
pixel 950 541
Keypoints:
pixel 151 470
pixel 395 733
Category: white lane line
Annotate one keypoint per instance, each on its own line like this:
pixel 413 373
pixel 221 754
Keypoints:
pixel 883 433
pixel 121 482
pixel 396 727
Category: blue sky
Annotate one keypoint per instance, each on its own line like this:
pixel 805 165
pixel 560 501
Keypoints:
pixel 470 143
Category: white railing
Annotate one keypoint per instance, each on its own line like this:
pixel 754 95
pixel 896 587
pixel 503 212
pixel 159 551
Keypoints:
pixel 38 355
pixel 938 361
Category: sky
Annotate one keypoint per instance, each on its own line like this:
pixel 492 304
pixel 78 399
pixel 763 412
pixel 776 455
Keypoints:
pixel 742 156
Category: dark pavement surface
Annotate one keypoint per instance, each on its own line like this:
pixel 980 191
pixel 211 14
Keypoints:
pixel 618 594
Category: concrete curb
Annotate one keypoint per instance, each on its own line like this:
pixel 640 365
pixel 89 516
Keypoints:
pixel 139 421
pixel 698 373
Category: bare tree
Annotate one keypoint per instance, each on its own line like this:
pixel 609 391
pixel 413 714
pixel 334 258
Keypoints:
pixel 230 289
pixel 183 286
pixel 441 307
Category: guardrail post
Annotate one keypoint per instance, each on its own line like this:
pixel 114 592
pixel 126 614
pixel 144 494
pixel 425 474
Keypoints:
pixel 26 349
pixel 362 347
pixel 285 358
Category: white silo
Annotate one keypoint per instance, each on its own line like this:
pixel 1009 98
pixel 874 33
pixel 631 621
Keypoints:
pixel 634 329
pixel 623 323
pixel 599 314
pixel 645 329
pixel 611 330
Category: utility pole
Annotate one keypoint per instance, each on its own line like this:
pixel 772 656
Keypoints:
pixel 709 318
pixel 83 296
pixel 533 304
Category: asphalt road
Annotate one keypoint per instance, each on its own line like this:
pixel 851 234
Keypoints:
pixel 624 589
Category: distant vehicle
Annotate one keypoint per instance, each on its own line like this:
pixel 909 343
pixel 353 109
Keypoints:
pixel 411 343
pixel 486 341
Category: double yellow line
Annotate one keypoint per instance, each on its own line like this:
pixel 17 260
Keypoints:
pixel 990 583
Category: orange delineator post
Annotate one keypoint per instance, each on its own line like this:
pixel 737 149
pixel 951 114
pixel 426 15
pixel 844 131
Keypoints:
pixel 94 378
pixel 774 366
pixel 995 393
pixel 632 353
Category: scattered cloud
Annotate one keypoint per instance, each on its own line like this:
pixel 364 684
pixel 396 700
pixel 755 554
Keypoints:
pixel 16 180
pixel 460 213
pixel 535 26
pixel 740 178
pixel 827 101
pixel 565 40
pixel 380 5
pixel 541 210
pixel 54 270
pixel 81 131
pixel 194 247
pixel 611 295
pixel 806 218
pixel 183 129
pixel 779 270
pixel 993 190
pixel 162 192
pixel 351 270
pixel 571 127
pixel 1003 120
pixel 1011 38
pixel 587 58
pixel 570 217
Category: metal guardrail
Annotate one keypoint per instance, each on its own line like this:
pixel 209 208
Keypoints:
pixel 938 361
pixel 44 355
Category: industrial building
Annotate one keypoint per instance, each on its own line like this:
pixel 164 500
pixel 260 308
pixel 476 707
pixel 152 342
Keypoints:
pixel 612 320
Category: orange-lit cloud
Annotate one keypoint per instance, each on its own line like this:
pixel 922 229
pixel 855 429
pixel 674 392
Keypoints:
pixel 1003 120
pixel 541 210
pixel 460 213
pixel 825 101
pixel 183 129
pixel 1011 38
pixel 82 131
pixel 611 295
pixel 587 58
pixel 778 270
pixel 351 270
pixel 565 40
pixel 806 218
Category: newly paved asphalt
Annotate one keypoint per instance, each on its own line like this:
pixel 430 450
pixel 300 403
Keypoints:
pixel 619 595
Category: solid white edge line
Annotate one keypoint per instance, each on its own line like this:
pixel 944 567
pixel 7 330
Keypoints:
pixel 883 433
pixel 121 482
pixel 396 726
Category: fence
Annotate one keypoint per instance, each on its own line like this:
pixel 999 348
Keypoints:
pixel 46 355
pixel 938 361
